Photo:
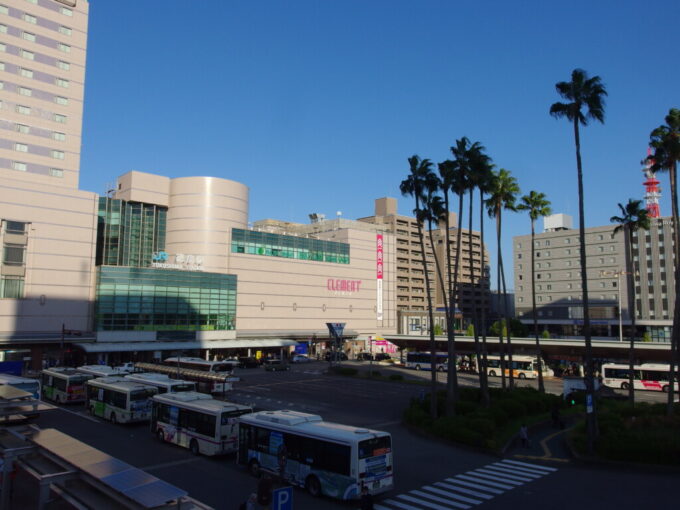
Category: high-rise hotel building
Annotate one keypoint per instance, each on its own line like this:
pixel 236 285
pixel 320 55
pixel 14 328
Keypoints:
pixel 48 225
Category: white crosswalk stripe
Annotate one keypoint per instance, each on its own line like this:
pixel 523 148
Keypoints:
pixel 469 489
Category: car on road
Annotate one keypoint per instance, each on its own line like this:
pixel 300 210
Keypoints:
pixel 248 362
pixel 382 356
pixel 275 365
pixel 300 358
pixel 364 356
pixel 336 356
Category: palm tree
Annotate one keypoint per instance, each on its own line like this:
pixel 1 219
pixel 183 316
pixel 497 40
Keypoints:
pixel 633 218
pixel 502 195
pixel 581 92
pixel 665 140
pixel 538 206
pixel 414 185
pixel 480 168
pixel 447 173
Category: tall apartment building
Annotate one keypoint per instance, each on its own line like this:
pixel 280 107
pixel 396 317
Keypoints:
pixel 410 287
pixel 48 226
pixel 559 301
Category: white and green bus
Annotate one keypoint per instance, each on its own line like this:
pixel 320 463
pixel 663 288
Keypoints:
pixel 162 382
pixel 197 421
pixel 326 458
pixel 63 385
pixel 119 400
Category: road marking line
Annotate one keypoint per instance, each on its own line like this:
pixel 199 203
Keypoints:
pixel 507 469
pixel 433 505
pixel 535 466
pixel 84 416
pixel 521 469
pixel 468 484
pixel 544 442
pixel 499 473
pixel 401 505
pixel 467 491
pixel 494 476
pixel 437 498
pixel 380 507
pixel 484 482
pixel 450 494
pixel 169 464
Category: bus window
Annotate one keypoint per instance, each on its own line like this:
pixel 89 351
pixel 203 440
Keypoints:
pixel 375 447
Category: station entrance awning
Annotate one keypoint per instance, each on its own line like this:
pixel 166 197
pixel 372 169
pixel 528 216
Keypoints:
pixel 188 345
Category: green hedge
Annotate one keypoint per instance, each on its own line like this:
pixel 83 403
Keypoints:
pixel 345 371
pixel 478 426
pixel 642 434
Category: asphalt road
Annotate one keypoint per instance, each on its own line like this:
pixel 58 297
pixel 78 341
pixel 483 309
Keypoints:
pixel 429 475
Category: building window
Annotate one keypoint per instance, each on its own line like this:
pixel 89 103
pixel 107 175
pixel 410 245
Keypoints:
pixel 28 36
pixel 521 288
pixel 61 100
pixel 21 147
pixel 567 241
pixel 519 246
pixel 602 285
pixel 35 2
pixel 57 154
pixel 22 128
pixel 601 261
pixel 63 65
pixel 19 166
pixel 25 92
pixel 548 275
pixel 26 73
pixel 60 137
pixel 614 284
pixel 538 265
pixel 539 299
pixel 569 274
pixel 547 242
pixel 3 47
pixel 62 83
pixel 4 9
pixel 539 287
pixel 65 30
pixel 64 47
pixel 519 277
pixel 519 255
pixel 60 118
pixel 568 263
pixel 519 266
pixel 30 19
pixel 66 11
pixel 11 287
pixel 548 287
pixel 56 172
pixel 13 254
pixel 520 299
pixel 15 227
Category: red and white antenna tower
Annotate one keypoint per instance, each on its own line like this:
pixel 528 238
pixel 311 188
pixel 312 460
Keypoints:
pixel 652 190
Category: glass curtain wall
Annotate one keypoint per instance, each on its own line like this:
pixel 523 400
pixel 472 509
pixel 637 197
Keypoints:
pixel 292 247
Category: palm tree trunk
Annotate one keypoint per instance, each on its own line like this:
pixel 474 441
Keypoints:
pixel 501 297
pixel 675 338
pixel 459 248
pixel 591 417
pixel 631 309
pixel 481 367
pixel 541 387
pixel 452 369
pixel 508 344
pixel 482 281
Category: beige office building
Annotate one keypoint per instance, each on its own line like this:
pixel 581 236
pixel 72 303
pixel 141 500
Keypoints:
pixel 48 225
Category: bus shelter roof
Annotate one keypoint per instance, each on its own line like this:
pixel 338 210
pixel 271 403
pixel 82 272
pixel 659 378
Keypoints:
pixel 180 346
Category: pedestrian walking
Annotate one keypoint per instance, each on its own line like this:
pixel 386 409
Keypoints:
pixel 366 499
pixel 524 436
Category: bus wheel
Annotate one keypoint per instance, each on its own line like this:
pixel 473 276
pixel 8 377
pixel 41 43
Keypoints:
pixel 417 367
pixel 522 375
pixel 313 486
pixel 665 389
pixel 625 386
pixel 113 418
pixel 492 373
pixel 193 446
pixel 254 468
pixel 160 435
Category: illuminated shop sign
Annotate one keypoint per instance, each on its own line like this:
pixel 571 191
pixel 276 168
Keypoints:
pixel 345 286
pixel 162 260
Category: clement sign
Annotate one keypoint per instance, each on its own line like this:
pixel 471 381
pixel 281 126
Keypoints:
pixel 343 285
pixel 160 260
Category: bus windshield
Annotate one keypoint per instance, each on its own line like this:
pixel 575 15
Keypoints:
pixel 183 387
pixel 141 394
pixel 374 447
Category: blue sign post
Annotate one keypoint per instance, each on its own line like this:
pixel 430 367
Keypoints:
pixel 282 499
pixel 589 403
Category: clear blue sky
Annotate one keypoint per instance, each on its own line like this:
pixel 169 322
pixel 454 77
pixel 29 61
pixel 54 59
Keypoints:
pixel 316 105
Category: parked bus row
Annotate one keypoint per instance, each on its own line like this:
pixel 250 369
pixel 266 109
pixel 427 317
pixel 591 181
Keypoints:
pixel 647 376
pixel 523 367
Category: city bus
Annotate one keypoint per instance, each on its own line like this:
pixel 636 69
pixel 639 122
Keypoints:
pixel 325 458
pixel 423 361
pixel 102 370
pixel 647 376
pixel 197 421
pixel 23 383
pixel 523 367
pixel 63 385
pixel 162 382
pixel 203 365
pixel 119 400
